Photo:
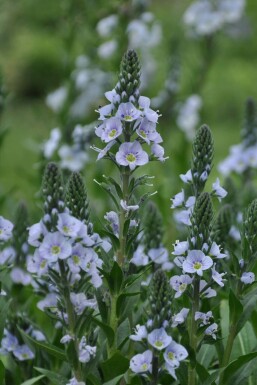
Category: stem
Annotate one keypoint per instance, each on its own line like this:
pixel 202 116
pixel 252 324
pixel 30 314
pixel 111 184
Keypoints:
pixel 76 366
pixel 155 370
pixel 193 329
pixel 122 217
pixel 113 322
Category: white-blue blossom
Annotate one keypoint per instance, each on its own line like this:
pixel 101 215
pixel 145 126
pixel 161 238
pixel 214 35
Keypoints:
pixel 142 363
pixel 159 339
pixel 128 112
pixel 209 292
pixel 178 199
pixel 203 317
pixel 212 330
pixel 20 276
pixel 109 130
pixel 158 152
pixel 180 248
pixel 140 333
pixel 131 154
pixel 197 262
pixel 74 381
pixel 139 257
pixel 179 283
pixel 69 225
pixel 6 228
pixel 180 317
pixel 80 302
pixel 86 352
pixel 175 353
pixel 247 278
pixel 55 246
pixel 147 131
pixel 217 277
pixel 23 352
pixel 219 191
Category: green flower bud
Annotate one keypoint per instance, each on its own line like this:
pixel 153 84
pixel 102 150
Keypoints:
pixel 129 77
pixel 19 239
pixel 153 227
pixel 202 220
pixel 222 225
pixel 76 198
pixel 202 157
pixel 249 130
pixel 250 226
pixel 160 294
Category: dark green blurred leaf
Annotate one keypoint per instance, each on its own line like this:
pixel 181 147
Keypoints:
pixel 106 329
pixel 55 378
pixel 237 365
pixel 115 366
pixel 33 380
pixel 115 279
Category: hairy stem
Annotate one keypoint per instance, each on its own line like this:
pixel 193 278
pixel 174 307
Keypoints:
pixel 193 329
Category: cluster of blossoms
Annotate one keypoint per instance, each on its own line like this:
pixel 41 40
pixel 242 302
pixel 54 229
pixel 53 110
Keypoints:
pixel 161 348
pixel 133 118
pixel 205 17
pixel 239 159
pixel 10 344
pixel 188 116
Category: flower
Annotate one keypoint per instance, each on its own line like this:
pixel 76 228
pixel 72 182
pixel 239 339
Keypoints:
pixel 6 228
pixel 109 130
pixel 18 275
pixel 144 104
pixel 196 262
pixel 113 219
pixel 140 333
pixel 131 154
pixel 219 191
pixel 55 246
pixel 180 317
pixel 139 257
pixel 74 381
pixel 179 283
pixel 128 112
pixel 127 208
pixel 212 330
pixel 204 317
pixel 68 225
pixel 186 178
pixel 86 351
pixel 178 199
pixel 158 152
pixel 147 131
pixel 209 292
pixel 9 342
pixel 159 256
pixel 175 353
pixel 247 278
pixel 141 363
pixel 159 339
pixel 217 277
pixel 23 352
pixel 80 302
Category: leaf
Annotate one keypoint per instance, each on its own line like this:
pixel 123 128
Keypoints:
pixel 2 373
pixel 249 306
pixel 121 301
pixel 51 349
pixel 115 381
pixel 202 372
pixel 212 378
pixel 55 378
pixel 33 380
pixel 235 308
pixel 106 329
pixel 115 366
pixel 236 365
pixel 244 373
pixel 115 278
pixel 123 332
pixel 3 315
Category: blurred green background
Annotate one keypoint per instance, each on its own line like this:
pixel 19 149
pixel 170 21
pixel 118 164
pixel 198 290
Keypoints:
pixel 39 42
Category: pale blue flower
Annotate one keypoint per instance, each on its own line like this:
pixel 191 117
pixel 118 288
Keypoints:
pixel 55 246
pixel 219 191
pixel 159 339
pixel 68 225
pixel 187 178
pixel 36 232
pixel 113 219
pixel 23 352
pixel 9 342
pixel 112 96
pixel 180 317
pixel 183 217
pixel 178 199
pixel 158 152
pixel 147 131
pixel 180 248
pixel 212 330
pixel 49 302
pixel 171 370
pixel 66 339
pixel 139 257
pixel 204 317
pixel 6 228
pixel 208 293
pixel 74 381
pixel 105 111
pixel 19 276
pixel 77 256
pixel 127 208
pixel 144 104
pixel 179 283
pixel 159 255
pixel 37 264
pixel 197 262
pixel 175 353
pixel 128 112
pixel 247 278
pixel 215 251
pixel 86 352
pixel 131 154
pixel 142 363
pixel 109 130
pixel 7 255
pixel 80 302
pixel 140 333
pixel 217 277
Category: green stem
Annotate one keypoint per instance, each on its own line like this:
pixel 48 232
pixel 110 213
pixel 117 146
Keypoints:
pixel 193 329
pixel 122 217
pixel 155 370
pixel 113 322
pixel 76 366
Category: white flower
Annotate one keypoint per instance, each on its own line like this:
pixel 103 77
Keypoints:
pixel 209 292
pixel 69 225
pixel 186 178
pixel 141 363
pixel 128 208
pixel 106 25
pixel 196 262
pixel 74 381
pixel 178 199
pixel 140 333
pixel 217 277
pixel 175 353
pixel 139 257
pixel 80 302
pixel 159 339
pixel 23 352
pixel 219 191
pixel 18 275
pixel 179 283
pixel 6 228
pixel 212 330
pixel 52 143
pixel 159 256
pixel 86 351
pixel 204 317
pixel 107 49
pixel 247 278
pixel 56 99
pixel 180 317
pixel 180 248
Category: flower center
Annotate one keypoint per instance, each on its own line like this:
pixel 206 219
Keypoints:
pixel 112 133
pixel 182 287
pixel 197 265
pixel 42 264
pixel 158 344
pixel 128 118
pixel 66 229
pixel 142 133
pixel 76 259
pixel 131 158
pixel 56 249
pixel 25 355
pixel 144 367
pixel 171 355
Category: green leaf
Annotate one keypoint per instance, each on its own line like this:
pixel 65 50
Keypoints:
pixel 3 315
pixel 115 381
pixel 2 373
pixel 103 308
pixel 116 186
pixel 249 306
pixel 33 380
pixel 245 373
pixel 115 366
pixel 121 302
pixel 115 279
pixel 202 372
pixel 51 349
pixel 55 378
pixel 235 308
pixel 106 329
pixel 212 378
pixel 123 332
pixel 237 365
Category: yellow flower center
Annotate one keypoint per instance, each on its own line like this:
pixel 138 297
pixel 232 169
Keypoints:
pixel 56 249
pixel 143 134
pixel 128 117
pixel 131 158
pixel 182 287
pixel 158 344
pixel 112 133
pixel 42 264
pixel 76 259
pixel 66 229
pixel 144 367
pixel 197 265
pixel 171 355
